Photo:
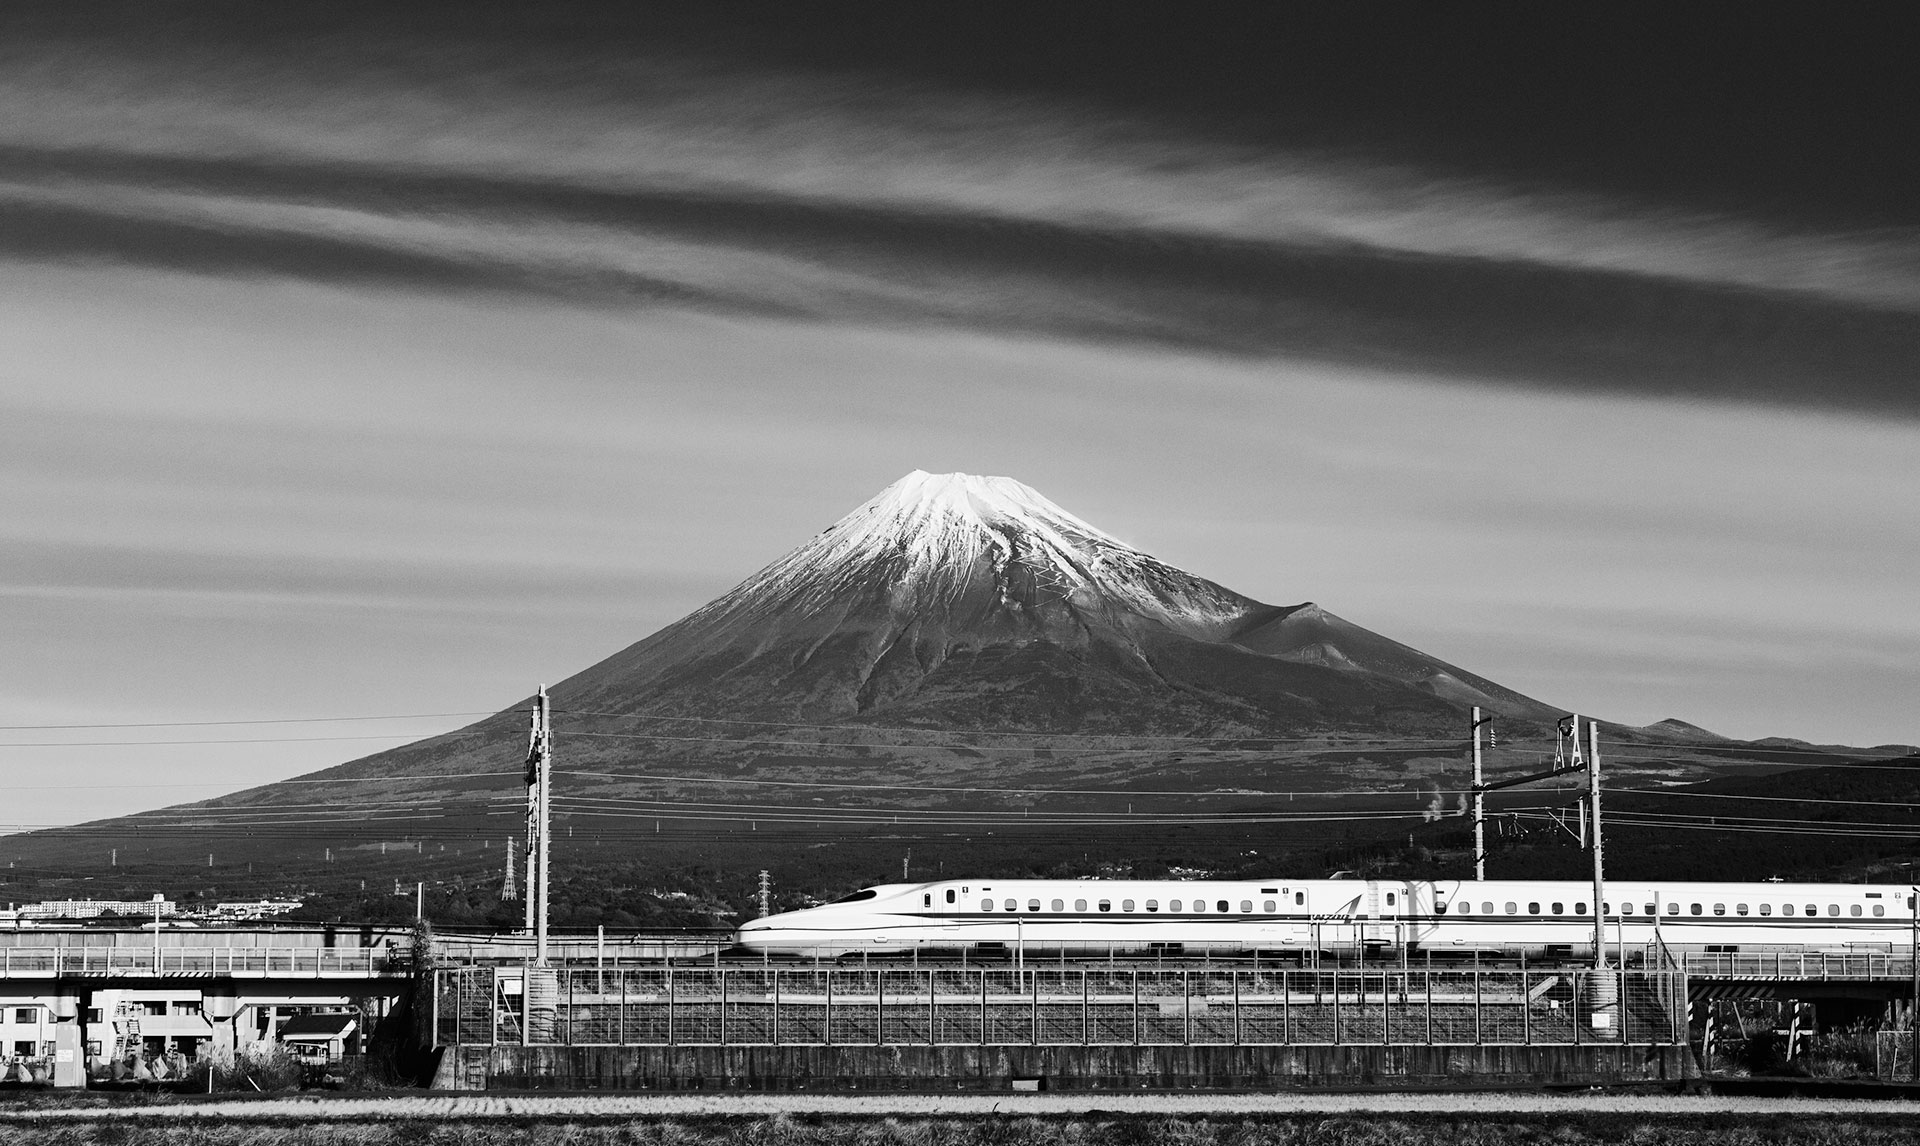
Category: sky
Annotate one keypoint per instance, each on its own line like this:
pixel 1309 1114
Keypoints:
pixel 384 361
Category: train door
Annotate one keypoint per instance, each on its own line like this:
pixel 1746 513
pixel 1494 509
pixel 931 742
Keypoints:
pixel 1381 910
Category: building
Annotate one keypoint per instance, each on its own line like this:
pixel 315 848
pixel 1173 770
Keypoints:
pixel 159 905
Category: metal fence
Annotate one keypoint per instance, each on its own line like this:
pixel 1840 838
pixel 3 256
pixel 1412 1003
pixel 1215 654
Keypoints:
pixel 1800 965
pixel 897 1006
pixel 277 962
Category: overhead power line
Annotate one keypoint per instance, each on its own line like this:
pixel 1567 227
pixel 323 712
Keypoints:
pixel 227 723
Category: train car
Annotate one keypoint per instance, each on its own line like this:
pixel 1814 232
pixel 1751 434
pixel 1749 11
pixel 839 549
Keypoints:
pixel 1339 915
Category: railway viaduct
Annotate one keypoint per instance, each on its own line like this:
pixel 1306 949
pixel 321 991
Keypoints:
pixel 664 1012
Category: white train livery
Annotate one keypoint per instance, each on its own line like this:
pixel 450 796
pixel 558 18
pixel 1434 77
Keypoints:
pixel 1337 915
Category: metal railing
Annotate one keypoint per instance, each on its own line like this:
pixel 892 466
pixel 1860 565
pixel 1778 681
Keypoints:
pixel 1799 965
pixel 244 962
pixel 1127 1006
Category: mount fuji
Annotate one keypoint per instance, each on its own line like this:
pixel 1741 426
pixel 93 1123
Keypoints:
pixel 952 600
pixel 958 647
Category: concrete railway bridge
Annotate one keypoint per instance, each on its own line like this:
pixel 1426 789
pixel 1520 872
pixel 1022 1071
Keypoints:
pixel 669 1012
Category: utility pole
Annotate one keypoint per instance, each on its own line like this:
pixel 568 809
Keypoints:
pixel 509 892
pixel 420 900
pixel 1599 850
pixel 539 820
pixel 766 893
pixel 1568 756
pixel 1479 801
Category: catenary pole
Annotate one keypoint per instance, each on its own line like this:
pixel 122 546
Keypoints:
pixel 532 905
pixel 545 767
pixel 1599 864
pixel 1479 804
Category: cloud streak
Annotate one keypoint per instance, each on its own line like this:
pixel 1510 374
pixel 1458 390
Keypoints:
pixel 1518 321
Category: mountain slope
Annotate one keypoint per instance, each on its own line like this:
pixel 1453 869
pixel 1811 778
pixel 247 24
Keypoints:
pixel 951 586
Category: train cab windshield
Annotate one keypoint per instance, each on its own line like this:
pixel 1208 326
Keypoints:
pixel 856 897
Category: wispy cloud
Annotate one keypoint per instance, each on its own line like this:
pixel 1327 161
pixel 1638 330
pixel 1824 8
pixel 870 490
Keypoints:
pixel 1522 320
pixel 646 177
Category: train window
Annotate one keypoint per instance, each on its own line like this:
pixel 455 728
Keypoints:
pixel 986 905
pixel 1579 909
pixel 1174 905
pixel 1652 910
pixel 1106 905
pixel 1879 909
pixel 1559 909
pixel 1486 908
pixel 1246 907
pixel 1153 905
pixel 1223 906
pixel 856 897
pixel 1766 909
pixel 1126 905
pixel 1673 909
pixel 1533 909
pixel 1786 909
pixel 1439 907
pixel 1853 909
pixel 1739 909
pixel 1512 907
pixel 1266 905
pixel 1033 905
pixel 1013 905
pixel 1833 909
pixel 1299 899
pixel 1058 906
pixel 1079 905
pixel 1694 909
pixel 949 895
pixel 1719 909
pixel 1390 899
pixel 927 900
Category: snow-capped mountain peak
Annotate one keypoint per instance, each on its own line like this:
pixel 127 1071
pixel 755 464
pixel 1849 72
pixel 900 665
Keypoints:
pixel 945 541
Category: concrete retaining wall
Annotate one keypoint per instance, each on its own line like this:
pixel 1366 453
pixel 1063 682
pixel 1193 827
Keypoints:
pixel 1054 1067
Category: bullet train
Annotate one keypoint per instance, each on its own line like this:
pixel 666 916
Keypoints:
pixel 1339 915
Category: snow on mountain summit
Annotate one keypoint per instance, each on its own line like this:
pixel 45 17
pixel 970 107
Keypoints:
pixel 945 542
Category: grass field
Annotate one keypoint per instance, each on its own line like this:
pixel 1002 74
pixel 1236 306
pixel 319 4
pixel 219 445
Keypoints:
pixel 1248 1121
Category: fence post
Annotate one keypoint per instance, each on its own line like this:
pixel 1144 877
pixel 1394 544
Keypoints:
pixel 1286 1010
pixel 1336 1005
pixel 620 1027
pixel 1186 1008
pixel 723 1006
pixel 1478 1038
pixel 1236 1002
pixel 673 1000
pixel 1526 1011
pixel 1134 978
pixel 1086 1015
